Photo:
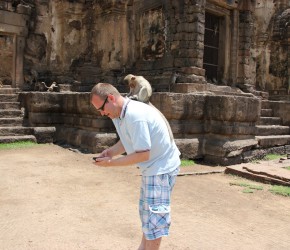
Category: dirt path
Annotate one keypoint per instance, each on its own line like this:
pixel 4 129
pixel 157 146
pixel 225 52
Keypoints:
pixel 53 198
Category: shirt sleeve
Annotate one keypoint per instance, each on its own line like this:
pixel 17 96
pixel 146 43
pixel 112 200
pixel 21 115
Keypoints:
pixel 141 136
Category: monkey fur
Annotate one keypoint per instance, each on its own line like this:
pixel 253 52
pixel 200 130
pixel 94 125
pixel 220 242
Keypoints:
pixel 140 90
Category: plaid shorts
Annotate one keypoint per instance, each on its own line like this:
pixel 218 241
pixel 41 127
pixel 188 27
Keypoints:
pixel 154 204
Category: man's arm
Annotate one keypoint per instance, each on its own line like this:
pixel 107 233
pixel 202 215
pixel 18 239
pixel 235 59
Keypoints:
pixel 114 150
pixel 130 159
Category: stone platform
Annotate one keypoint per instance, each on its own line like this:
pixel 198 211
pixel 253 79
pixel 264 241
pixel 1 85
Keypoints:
pixel 272 172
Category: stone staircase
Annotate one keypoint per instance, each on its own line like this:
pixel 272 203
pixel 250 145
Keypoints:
pixel 269 131
pixel 13 127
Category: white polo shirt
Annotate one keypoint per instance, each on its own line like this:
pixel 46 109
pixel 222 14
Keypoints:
pixel 141 128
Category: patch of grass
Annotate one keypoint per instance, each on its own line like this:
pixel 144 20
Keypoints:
pixel 186 163
pixel 248 191
pixel 249 188
pixel 288 168
pixel 280 190
pixel 270 157
pixel 20 144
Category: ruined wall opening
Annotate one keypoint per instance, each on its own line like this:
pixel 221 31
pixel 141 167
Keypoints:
pixel 6 58
pixel 211 47
pixel 218 45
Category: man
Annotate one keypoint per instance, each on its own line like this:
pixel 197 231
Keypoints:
pixel 145 138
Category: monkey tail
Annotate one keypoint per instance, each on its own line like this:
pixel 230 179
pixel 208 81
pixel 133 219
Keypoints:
pixel 165 120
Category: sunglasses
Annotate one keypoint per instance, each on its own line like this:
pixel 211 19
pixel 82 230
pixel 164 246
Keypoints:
pixel 103 106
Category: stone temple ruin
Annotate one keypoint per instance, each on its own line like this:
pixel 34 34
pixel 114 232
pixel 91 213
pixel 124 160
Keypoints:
pixel 219 69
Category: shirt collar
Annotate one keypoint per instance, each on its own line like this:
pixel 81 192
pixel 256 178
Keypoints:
pixel 124 108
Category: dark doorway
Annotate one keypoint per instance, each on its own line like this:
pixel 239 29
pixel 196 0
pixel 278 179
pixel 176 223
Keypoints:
pixel 211 47
pixel 6 59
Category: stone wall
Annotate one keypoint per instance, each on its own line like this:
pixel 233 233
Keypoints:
pixel 215 127
pixel 76 121
pixel 91 41
pixel 270 49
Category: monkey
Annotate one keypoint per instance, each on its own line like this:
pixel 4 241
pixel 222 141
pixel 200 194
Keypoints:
pixel 41 86
pixel 140 90
pixel 173 80
pixel 51 87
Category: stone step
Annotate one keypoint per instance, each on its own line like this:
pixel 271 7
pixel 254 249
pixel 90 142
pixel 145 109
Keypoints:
pixel 8 131
pixel 272 130
pixel 41 134
pixel 8 90
pixel 265 104
pixel 266 112
pixel 8 122
pixel 8 97
pixel 17 138
pixel 10 113
pixel 9 105
pixel 269 121
pixel 273 140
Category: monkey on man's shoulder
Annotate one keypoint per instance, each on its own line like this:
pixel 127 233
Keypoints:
pixel 140 90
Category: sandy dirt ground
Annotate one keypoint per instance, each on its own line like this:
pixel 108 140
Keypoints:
pixel 55 198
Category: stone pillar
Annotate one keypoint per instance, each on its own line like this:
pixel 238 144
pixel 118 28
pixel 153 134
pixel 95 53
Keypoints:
pixel 246 31
pixel 187 22
pixel 288 66
pixel 234 47
pixel 19 51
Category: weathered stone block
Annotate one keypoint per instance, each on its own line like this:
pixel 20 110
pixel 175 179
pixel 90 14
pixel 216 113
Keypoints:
pixel 252 155
pixel 95 142
pixel 230 128
pixel 189 148
pixel 227 147
pixel 179 106
pixel 184 128
pixel 191 79
pixel 44 134
pixel 189 87
pixel 223 161
pixel 193 70
pixel 232 108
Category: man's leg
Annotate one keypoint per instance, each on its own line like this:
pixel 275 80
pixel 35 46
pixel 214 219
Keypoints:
pixel 150 244
pixel 153 244
pixel 142 244
pixel 155 224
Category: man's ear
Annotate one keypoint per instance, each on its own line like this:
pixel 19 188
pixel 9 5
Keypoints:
pixel 111 97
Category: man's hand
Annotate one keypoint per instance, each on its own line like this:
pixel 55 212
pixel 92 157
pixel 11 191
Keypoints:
pixel 103 161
